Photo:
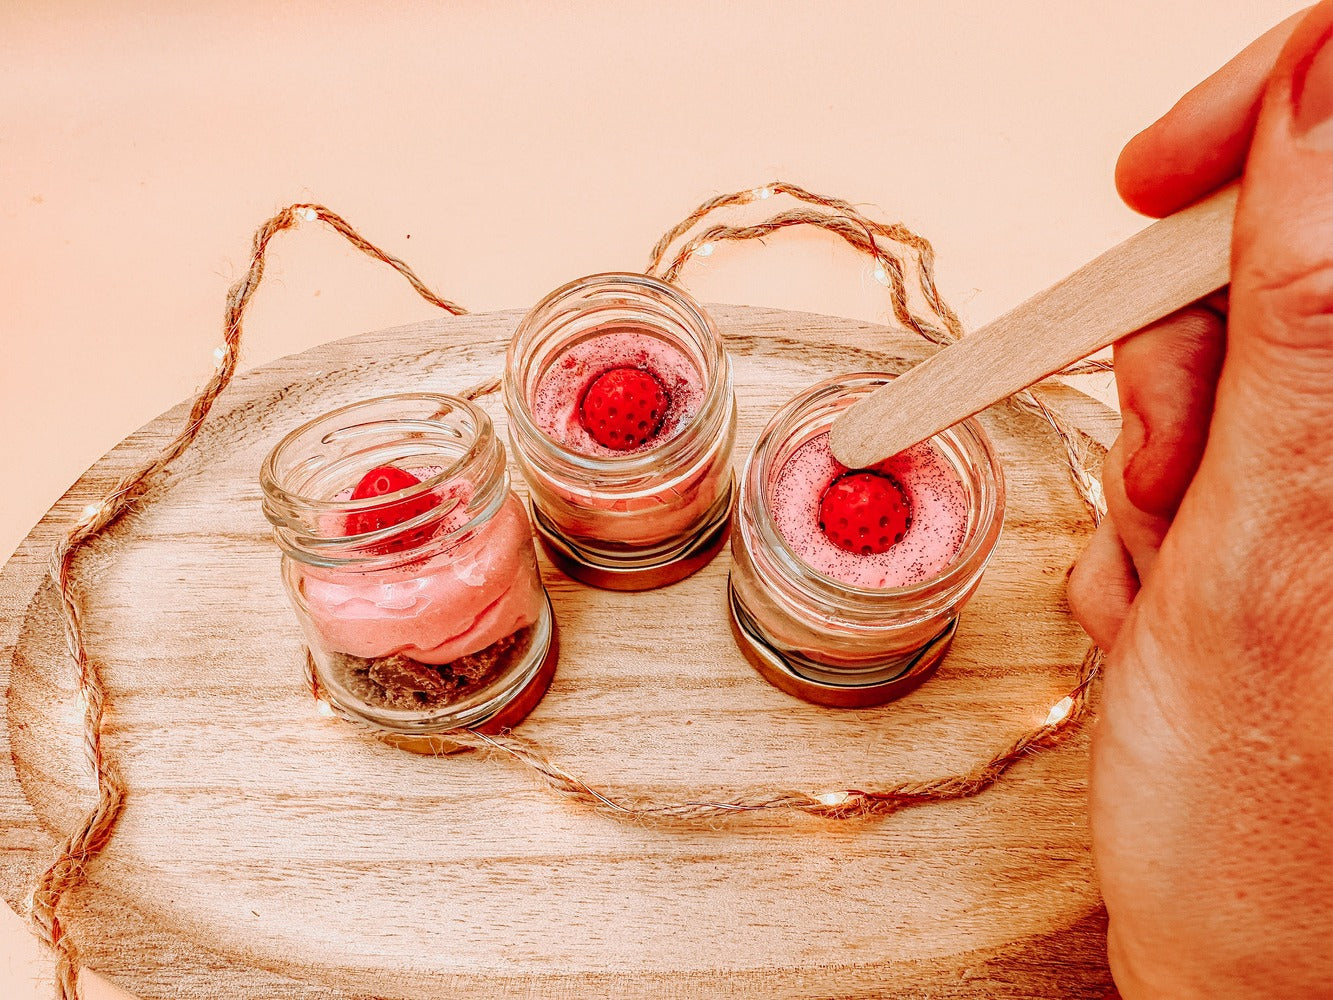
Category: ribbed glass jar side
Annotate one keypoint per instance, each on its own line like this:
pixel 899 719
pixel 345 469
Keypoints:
pixel 422 608
pixel 831 631
pixel 620 519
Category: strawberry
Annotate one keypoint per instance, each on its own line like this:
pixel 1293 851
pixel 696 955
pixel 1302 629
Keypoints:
pixel 380 482
pixel 864 512
pixel 623 407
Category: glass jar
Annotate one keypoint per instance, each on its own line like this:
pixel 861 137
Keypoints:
pixel 653 505
pixel 410 564
pixel 852 628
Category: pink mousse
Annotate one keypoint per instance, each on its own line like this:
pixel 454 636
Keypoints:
pixel 559 390
pixel 938 502
pixel 457 602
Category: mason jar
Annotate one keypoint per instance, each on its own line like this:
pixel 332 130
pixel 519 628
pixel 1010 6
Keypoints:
pixel 622 416
pixel 411 567
pixel 856 605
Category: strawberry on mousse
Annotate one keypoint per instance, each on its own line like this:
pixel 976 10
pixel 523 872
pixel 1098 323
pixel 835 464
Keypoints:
pixel 623 408
pixel 864 512
pixel 620 394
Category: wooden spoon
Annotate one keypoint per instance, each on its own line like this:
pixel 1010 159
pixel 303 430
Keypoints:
pixel 1167 266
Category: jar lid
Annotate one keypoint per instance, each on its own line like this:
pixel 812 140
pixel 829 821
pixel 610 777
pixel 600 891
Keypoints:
pixel 786 675
pixel 643 570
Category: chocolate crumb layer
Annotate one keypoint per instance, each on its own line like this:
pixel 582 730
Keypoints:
pixel 404 683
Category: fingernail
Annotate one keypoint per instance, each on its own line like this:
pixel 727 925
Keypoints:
pixel 1312 95
pixel 1133 433
pixel 1140 485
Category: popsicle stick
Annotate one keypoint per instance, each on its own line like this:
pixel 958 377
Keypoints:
pixel 1167 266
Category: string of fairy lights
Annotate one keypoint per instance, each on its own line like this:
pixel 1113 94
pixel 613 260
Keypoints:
pixel 1059 713
pixel 829 803
pixel 88 706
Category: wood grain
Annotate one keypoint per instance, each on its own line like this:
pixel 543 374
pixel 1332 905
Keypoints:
pixel 267 852
pixel 1154 273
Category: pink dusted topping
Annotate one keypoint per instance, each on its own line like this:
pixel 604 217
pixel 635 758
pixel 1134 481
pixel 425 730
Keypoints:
pixel 932 514
pixel 559 401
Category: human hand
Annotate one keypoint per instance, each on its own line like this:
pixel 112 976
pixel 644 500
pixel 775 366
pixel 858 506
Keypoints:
pixel 1211 581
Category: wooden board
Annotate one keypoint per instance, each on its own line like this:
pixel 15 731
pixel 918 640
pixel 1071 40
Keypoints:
pixel 266 851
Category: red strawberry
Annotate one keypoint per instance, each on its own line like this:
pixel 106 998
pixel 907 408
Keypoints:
pixel 379 482
pixel 623 407
pixel 864 512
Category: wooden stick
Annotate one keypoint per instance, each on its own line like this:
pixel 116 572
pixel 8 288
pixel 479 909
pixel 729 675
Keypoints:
pixel 1167 266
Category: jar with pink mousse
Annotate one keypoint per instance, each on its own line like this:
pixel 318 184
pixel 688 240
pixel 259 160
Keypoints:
pixel 622 417
pixel 847 584
pixel 411 566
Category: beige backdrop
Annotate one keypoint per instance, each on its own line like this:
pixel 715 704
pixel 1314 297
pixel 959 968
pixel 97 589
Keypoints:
pixel 505 151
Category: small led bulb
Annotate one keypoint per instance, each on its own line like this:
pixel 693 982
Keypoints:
pixel 75 711
pixel 1060 711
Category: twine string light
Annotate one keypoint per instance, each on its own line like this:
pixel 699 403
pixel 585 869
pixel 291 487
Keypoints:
pixel 844 220
pixel 905 254
pixel 94 829
pixel 837 804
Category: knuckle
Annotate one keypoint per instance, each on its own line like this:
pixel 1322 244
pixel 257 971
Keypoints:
pixel 1293 308
pixel 1182 338
pixel 1167 392
pixel 1195 329
pixel 1196 348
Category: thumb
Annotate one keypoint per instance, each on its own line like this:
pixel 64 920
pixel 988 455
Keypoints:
pixel 1275 399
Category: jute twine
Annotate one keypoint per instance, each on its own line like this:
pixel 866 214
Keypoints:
pixel 896 250
pixel 94 829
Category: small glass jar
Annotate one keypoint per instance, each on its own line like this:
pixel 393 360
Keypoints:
pixel 422 607
pixel 649 514
pixel 854 644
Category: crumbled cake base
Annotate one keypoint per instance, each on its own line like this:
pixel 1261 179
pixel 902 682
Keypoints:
pixel 400 682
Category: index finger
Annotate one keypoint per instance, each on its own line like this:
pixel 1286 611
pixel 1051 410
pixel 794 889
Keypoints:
pixel 1202 142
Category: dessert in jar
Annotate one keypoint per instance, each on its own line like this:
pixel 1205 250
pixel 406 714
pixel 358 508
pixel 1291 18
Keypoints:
pixel 410 564
pixel 622 417
pixel 847 584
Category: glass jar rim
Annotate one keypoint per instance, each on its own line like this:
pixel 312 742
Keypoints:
pixel 292 512
pixel 716 359
pixel 269 474
pixel 977 547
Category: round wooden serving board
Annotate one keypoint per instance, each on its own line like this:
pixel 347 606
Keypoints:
pixel 266 851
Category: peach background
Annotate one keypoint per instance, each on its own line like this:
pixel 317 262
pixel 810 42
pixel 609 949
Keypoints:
pixel 502 151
